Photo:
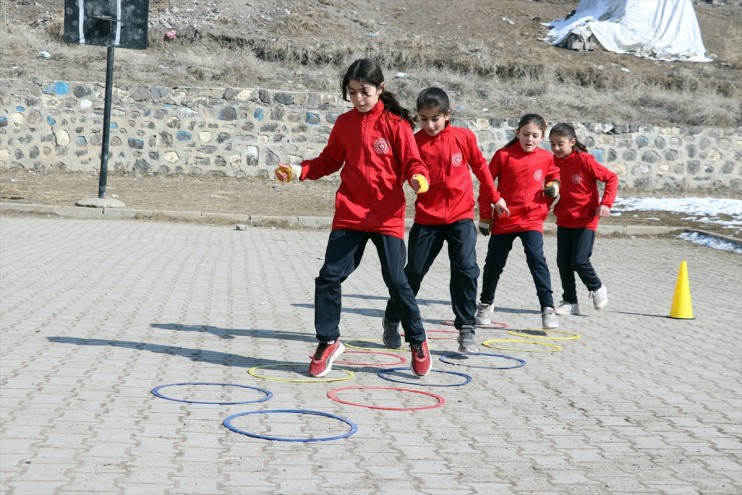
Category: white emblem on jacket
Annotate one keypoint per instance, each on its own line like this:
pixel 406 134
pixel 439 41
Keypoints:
pixel 381 146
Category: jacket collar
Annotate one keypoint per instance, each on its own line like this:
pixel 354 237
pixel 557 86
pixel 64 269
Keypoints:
pixel 377 110
pixel 444 132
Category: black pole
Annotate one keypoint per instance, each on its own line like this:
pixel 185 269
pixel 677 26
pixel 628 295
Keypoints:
pixel 106 126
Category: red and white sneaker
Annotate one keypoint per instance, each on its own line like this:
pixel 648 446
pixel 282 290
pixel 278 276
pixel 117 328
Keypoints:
pixel 324 356
pixel 421 362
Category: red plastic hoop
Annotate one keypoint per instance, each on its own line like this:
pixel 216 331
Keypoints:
pixel 441 400
pixel 402 359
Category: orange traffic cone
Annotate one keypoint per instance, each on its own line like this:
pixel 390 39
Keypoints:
pixel 681 304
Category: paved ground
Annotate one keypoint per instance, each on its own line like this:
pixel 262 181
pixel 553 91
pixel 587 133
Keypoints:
pixel 96 313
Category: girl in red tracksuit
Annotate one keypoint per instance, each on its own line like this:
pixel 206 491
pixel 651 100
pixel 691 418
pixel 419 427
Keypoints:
pixel 445 213
pixel 528 181
pixel 373 147
pixel 577 214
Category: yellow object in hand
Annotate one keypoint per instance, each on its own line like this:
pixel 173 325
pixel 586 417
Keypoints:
pixel 288 171
pixel 424 186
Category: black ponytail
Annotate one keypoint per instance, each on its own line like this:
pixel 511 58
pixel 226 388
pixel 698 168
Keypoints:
pixel 393 105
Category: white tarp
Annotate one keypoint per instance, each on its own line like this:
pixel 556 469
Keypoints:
pixel 656 29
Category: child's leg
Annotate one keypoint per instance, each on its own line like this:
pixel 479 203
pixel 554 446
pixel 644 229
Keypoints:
pixel 533 245
pixel 392 256
pixel 497 255
pixel 462 239
pixel 565 251
pixel 425 242
pixel 583 241
pixel 342 256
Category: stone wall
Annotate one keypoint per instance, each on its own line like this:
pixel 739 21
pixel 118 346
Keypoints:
pixel 240 132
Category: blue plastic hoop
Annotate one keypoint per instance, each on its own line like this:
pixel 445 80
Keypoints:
pixel 467 378
pixel 156 393
pixel 228 423
pixel 520 364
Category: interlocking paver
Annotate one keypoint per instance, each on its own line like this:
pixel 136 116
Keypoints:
pixel 96 313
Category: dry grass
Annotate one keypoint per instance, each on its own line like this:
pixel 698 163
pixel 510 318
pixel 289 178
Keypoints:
pixel 478 73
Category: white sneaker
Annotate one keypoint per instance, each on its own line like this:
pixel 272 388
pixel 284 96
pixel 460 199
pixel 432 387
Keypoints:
pixel 548 319
pixel 484 314
pixel 599 297
pixel 566 308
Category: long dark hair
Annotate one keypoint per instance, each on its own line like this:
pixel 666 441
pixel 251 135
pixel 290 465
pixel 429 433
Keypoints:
pixel 566 130
pixel 433 98
pixel 529 118
pixel 368 71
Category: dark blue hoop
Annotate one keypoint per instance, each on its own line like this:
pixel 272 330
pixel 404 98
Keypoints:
pixel 228 423
pixel 467 378
pixel 268 393
pixel 521 362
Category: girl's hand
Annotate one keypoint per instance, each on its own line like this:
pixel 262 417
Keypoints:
pixel 419 184
pixel 485 226
pixel 552 189
pixel 603 211
pixel 287 173
pixel 501 208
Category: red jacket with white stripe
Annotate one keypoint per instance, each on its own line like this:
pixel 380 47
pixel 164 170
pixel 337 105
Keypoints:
pixel 520 180
pixel 579 196
pixel 377 153
pixel 449 156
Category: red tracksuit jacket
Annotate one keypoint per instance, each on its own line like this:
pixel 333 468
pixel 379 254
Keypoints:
pixel 579 196
pixel 379 153
pixel 520 180
pixel 449 155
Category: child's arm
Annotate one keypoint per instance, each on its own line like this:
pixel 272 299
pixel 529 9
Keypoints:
pixel 328 162
pixel 480 168
pixel 610 179
pixel 414 169
pixel 552 180
pixel 486 183
pixel 485 201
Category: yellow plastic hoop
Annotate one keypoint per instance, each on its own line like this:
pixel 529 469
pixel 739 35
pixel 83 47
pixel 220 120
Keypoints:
pixel 553 347
pixel 520 333
pixel 252 372
pixel 348 344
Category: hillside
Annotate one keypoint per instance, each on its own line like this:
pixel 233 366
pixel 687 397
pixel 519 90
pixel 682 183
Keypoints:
pixel 486 53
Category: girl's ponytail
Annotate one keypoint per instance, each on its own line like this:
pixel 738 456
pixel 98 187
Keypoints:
pixel 512 141
pixel 394 106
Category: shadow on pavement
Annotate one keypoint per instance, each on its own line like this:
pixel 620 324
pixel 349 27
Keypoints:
pixel 196 355
pixel 230 333
pixel 515 310
pixel 373 312
pixel 641 314
pixel 420 302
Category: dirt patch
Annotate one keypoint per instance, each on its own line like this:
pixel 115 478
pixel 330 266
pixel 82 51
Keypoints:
pixel 243 196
